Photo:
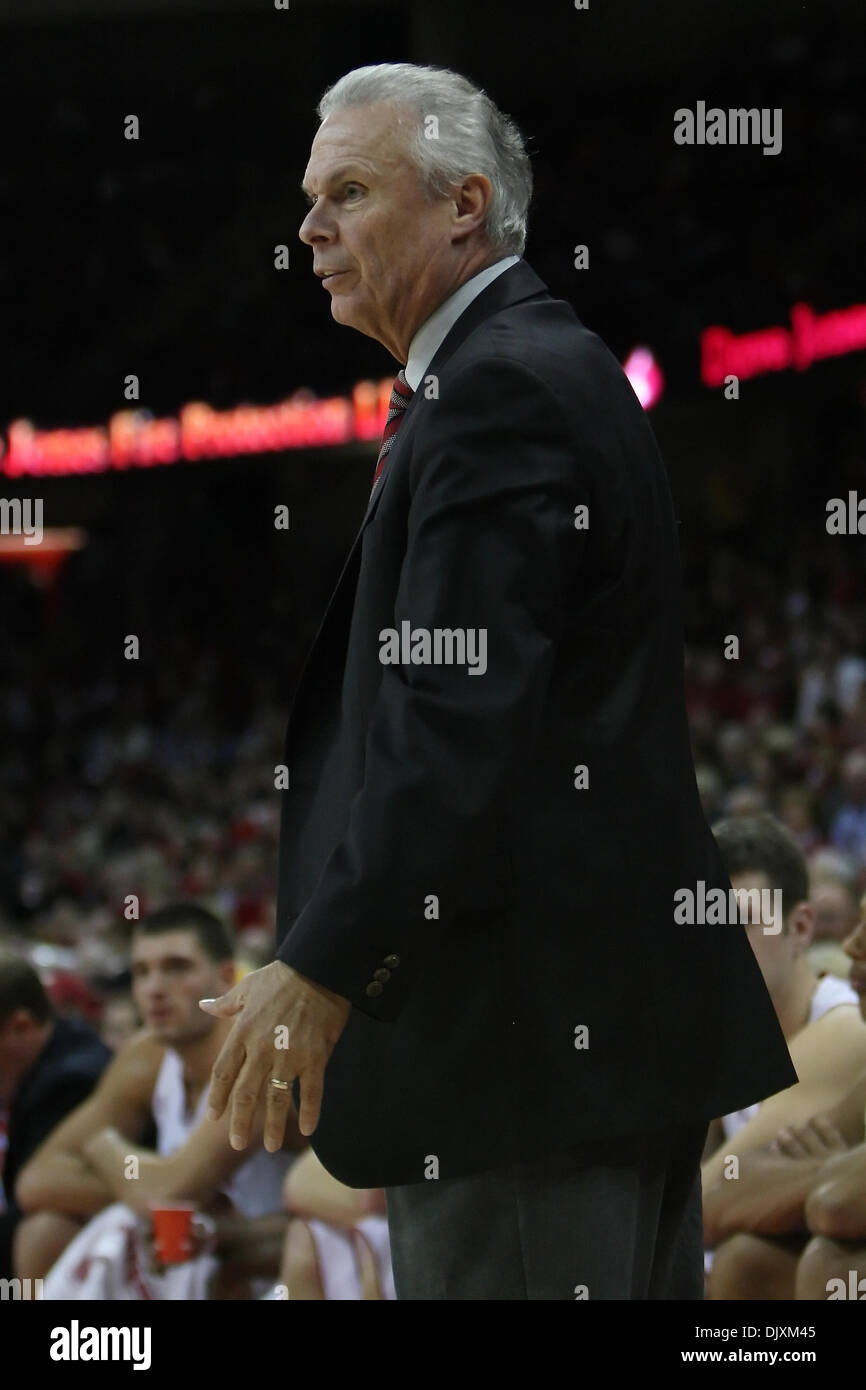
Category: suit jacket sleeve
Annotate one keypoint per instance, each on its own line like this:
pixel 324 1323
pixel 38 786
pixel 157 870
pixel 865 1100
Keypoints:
pixel 491 544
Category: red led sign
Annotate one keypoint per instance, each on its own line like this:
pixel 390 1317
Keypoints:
pixel 810 338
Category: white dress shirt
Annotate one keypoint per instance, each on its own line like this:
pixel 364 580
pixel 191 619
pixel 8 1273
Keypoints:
pixel 433 330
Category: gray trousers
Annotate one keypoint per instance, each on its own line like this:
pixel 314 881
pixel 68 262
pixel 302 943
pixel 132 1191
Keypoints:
pixel 610 1219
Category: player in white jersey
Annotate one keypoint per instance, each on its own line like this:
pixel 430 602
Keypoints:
pixel 95 1159
pixel 746 1187
pixel 829 994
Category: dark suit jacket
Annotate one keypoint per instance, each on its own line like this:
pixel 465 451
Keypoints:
pixel 417 789
pixel 63 1075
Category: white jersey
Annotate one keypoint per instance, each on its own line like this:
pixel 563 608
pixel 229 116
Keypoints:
pixel 830 993
pixel 256 1188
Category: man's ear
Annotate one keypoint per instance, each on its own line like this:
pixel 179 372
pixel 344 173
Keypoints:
pixel 802 925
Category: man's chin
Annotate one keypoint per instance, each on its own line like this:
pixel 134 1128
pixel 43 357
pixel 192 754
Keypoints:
pixel 163 1032
pixel 343 315
pixel 345 311
pixel 340 310
pixel 172 1036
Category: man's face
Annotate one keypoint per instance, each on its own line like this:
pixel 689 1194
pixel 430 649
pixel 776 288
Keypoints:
pixel 170 973
pixel 775 953
pixel 372 221
pixel 21 1038
pixel 836 914
pixel 855 947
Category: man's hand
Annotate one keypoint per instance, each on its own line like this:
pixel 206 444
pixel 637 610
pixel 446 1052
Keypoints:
pixel 287 1026
pixel 815 1138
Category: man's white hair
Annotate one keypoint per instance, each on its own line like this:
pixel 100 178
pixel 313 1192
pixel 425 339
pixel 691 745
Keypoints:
pixel 473 137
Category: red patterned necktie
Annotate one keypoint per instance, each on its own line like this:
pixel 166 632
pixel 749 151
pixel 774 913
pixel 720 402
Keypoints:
pixel 401 394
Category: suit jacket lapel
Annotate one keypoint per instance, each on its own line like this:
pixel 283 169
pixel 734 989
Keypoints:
pixel 513 285
pixel 517 283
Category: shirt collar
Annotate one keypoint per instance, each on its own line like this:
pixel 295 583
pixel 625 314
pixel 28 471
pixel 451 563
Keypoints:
pixel 432 333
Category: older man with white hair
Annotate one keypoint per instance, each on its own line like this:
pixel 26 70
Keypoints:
pixel 481 995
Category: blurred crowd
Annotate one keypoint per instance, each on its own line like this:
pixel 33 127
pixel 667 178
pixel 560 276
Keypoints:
pixel 132 786
pixel 155 778
pixel 131 790
pixel 779 722
pixel 215 185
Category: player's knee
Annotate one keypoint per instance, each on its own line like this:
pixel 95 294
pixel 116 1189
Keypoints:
pixel 823 1259
pixel 828 1213
pixel 40 1239
pixel 300 1260
pixel 744 1266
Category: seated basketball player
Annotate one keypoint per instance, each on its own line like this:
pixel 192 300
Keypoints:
pixel 749 1186
pixel 336 1246
pixel 817 1172
pixel 159 1078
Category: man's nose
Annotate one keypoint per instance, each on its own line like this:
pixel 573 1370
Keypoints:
pixel 313 229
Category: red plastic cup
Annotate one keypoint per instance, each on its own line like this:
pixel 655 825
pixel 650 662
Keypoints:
pixel 172 1231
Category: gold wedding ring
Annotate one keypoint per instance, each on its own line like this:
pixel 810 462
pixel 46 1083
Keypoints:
pixel 280 1085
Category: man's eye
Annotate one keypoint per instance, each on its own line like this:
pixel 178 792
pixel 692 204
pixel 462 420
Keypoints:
pixel 349 188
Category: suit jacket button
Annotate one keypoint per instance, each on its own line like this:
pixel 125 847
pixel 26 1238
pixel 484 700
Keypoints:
pixel 374 989
pixel 381 975
pixel 392 962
